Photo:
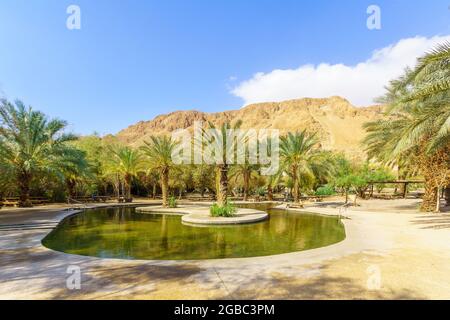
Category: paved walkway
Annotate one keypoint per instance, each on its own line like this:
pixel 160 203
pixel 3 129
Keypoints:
pixel 397 253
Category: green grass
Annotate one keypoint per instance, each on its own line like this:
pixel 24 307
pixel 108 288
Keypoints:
pixel 325 191
pixel 172 202
pixel 228 210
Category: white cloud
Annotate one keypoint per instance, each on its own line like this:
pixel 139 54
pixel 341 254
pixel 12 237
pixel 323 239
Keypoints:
pixel 360 83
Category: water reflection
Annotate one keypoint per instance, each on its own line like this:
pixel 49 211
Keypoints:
pixel 123 233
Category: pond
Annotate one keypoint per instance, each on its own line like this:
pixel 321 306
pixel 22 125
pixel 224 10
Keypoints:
pixel 125 234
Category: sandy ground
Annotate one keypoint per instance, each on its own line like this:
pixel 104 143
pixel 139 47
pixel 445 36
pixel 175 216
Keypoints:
pixel 391 252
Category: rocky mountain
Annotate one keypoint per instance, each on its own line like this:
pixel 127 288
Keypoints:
pixel 337 123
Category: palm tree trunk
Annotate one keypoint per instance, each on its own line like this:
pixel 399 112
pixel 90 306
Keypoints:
pixel 117 186
pixel 223 185
pixel 154 191
pixel 71 184
pixel 269 193
pixel 438 200
pixel 24 181
pixel 127 181
pixel 295 185
pixel 246 185
pixel 447 195
pixel 429 198
pixel 165 186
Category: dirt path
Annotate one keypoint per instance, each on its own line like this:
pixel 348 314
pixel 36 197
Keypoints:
pixel 394 252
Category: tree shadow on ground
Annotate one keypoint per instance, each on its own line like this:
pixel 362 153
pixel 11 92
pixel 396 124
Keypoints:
pixel 128 281
pixel 433 221
pixel 320 288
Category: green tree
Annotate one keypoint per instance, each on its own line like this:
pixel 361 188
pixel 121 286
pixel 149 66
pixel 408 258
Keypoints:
pixel 417 124
pixel 246 172
pixel 221 137
pixel 97 154
pixel 30 143
pixel 158 152
pixel 75 169
pixel 126 163
pixel 302 160
pixel 151 179
pixel 204 178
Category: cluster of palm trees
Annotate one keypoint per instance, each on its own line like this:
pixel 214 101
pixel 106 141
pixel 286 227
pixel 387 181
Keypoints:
pixel 32 145
pixel 414 136
pixel 35 153
pixel 35 150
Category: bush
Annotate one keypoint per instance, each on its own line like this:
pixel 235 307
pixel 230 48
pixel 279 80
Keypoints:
pixel 261 191
pixel 172 202
pixel 227 210
pixel 325 191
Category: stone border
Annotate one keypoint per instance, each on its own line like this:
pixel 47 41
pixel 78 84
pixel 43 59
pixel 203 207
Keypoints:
pixel 197 215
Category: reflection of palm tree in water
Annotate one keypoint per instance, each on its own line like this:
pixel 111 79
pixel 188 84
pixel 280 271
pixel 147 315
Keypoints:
pixel 164 233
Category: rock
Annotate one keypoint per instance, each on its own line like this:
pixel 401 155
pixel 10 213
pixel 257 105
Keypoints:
pixel 337 123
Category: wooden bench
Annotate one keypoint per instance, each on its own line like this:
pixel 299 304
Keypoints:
pixel 101 198
pixel 195 198
pixel 313 198
pixel 11 202
pixel 14 201
pixel 39 200
pixel 86 199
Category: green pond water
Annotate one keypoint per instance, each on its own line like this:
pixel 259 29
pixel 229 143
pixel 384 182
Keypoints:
pixel 125 234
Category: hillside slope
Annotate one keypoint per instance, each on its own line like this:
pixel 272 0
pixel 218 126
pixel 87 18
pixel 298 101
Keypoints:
pixel 337 123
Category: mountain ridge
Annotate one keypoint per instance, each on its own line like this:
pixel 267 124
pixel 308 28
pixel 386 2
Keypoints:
pixel 336 121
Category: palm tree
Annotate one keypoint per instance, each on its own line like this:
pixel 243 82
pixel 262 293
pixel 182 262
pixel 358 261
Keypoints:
pixel 204 178
pixel 245 171
pixel 221 135
pixel 151 179
pixel 301 160
pixel 418 125
pixel 75 169
pixel 271 182
pixel 126 163
pixel 31 143
pixel 380 142
pixel 159 155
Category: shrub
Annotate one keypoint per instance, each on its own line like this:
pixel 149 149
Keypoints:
pixel 227 210
pixel 325 191
pixel 261 191
pixel 172 202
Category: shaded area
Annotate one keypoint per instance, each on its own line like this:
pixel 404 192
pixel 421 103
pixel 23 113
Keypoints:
pixel 125 282
pixel 323 287
pixel 433 221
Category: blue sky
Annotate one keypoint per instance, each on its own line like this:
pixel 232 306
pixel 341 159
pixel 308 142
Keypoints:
pixel 133 60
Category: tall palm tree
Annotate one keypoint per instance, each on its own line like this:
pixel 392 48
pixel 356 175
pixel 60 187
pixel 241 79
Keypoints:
pixel 31 143
pixel 418 125
pixel 221 135
pixel 380 142
pixel 159 155
pixel 126 163
pixel 301 159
